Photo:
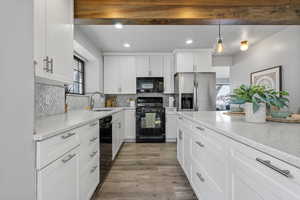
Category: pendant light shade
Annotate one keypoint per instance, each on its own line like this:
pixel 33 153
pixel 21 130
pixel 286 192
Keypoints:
pixel 244 45
pixel 220 45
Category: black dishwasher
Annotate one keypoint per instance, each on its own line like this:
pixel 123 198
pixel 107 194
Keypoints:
pixel 105 147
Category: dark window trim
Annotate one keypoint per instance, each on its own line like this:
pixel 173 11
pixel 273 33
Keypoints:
pixel 83 76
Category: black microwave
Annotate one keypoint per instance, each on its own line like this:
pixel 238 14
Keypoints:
pixel 150 85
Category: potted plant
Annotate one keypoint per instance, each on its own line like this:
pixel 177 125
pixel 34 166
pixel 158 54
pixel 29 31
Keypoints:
pixel 256 98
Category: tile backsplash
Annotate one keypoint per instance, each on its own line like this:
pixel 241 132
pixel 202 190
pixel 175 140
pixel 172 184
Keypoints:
pixel 122 99
pixel 49 99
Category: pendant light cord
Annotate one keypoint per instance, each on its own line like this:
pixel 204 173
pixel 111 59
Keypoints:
pixel 219 31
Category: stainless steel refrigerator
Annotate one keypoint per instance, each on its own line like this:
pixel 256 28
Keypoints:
pixel 195 91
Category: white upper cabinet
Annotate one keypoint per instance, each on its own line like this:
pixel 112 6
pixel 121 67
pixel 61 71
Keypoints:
pixel 169 70
pixel 127 75
pixel 193 60
pixel 111 75
pixel 119 75
pixel 142 66
pixel 156 66
pixel 149 66
pixel 53 39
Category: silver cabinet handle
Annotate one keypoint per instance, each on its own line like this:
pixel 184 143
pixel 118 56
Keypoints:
pixel 46 64
pixel 268 163
pixel 93 169
pixel 120 125
pixel 199 144
pixel 51 65
pixel 200 177
pixel 93 124
pixel 68 158
pixel 180 118
pixel 180 134
pixel 200 128
pixel 93 139
pixel 93 154
pixel 67 136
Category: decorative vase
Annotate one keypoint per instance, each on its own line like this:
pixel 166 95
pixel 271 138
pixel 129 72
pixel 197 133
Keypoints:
pixel 255 117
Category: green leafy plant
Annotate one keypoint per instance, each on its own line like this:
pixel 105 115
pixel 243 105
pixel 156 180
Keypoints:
pixel 257 94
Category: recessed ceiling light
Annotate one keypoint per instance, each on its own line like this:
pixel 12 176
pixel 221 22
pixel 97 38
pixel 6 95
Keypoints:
pixel 189 41
pixel 119 25
pixel 127 45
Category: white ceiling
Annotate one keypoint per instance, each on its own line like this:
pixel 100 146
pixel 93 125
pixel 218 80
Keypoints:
pixel 164 38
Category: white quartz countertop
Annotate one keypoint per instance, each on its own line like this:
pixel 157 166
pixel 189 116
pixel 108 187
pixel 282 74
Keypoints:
pixel 280 140
pixel 50 126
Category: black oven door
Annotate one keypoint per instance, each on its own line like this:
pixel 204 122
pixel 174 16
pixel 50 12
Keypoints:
pixel 150 124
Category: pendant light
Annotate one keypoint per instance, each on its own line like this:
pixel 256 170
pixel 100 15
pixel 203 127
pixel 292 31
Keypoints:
pixel 220 45
pixel 244 45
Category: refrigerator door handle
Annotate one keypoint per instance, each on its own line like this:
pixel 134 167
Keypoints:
pixel 196 95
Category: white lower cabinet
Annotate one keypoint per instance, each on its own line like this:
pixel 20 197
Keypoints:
pixel 129 125
pixel 59 180
pixel 220 168
pixel 117 133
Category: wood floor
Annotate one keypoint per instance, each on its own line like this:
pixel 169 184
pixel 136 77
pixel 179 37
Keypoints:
pixel 146 172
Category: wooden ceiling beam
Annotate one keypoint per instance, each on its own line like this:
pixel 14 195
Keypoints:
pixel 187 11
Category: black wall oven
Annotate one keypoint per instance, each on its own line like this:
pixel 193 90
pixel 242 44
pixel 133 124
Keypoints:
pixel 150 120
pixel 150 85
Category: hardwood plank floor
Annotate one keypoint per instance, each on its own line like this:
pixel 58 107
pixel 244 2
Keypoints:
pixel 144 171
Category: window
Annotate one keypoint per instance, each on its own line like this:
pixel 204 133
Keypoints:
pixel 78 77
pixel 223 96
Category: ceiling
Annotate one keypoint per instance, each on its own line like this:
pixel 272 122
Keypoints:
pixel 166 38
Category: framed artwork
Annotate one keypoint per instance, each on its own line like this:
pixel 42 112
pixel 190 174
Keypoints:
pixel 270 77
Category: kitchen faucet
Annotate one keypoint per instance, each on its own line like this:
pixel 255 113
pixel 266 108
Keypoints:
pixel 92 101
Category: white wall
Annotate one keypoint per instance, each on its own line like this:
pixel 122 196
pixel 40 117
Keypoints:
pixel 94 65
pixel 17 177
pixel 282 48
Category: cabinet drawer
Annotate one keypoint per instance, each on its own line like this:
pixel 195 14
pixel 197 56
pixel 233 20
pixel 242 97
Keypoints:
pixel 87 155
pixel 204 186
pixel 210 152
pixel 51 149
pixel 274 175
pixel 89 180
pixel 89 135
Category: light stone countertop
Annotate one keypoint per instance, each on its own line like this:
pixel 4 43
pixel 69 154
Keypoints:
pixel 279 140
pixel 50 126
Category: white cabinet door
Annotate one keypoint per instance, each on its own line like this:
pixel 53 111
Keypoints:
pixel 59 180
pixel 203 61
pixel 169 74
pixel 39 35
pixel 130 125
pixel 184 62
pixel 59 38
pixel 142 66
pixel 111 75
pixel 187 140
pixel 156 65
pixel 171 127
pixel 128 74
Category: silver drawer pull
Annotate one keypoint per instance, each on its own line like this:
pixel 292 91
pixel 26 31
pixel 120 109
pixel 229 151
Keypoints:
pixel 94 124
pixel 200 177
pixel 93 139
pixel 68 158
pixel 268 163
pixel 200 128
pixel 180 134
pixel 67 136
pixel 180 118
pixel 93 169
pixel 93 154
pixel 200 144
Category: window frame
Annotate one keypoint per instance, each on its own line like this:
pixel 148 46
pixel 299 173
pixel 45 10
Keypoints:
pixel 82 71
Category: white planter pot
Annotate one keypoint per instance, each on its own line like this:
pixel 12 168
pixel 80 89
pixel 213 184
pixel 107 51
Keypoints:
pixel 259 116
